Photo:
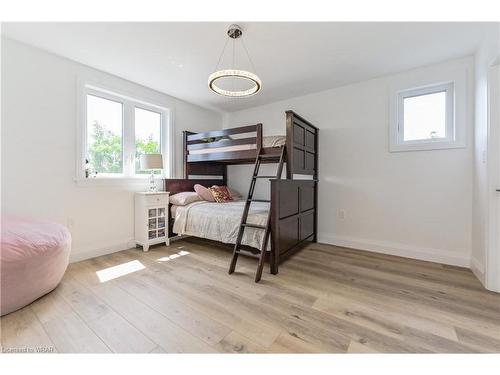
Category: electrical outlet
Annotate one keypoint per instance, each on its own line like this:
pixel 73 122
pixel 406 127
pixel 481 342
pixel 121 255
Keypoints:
pixel 341 214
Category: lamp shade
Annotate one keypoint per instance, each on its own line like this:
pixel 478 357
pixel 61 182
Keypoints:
pixel 151 161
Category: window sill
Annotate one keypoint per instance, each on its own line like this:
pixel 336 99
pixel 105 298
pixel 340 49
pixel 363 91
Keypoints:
pixel 116 181
pixel 425 146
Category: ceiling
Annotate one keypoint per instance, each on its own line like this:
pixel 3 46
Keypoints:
pixel 292 59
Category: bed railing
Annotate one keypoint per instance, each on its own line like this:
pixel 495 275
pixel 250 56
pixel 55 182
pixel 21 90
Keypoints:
pixel 198 141
pixel 213 163
pixel 257 128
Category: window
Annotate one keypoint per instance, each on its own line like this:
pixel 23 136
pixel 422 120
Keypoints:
pixel 424 119
pixel 147 135
pixel 115 130
pixel 104 135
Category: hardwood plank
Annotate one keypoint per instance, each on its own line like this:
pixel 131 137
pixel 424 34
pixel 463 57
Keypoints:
pixel 236 343
pixel 448 274
pixel 326 324
pixel 382 320
pixel 196 323
pixel 364 254
pixel 290 343
pixel 21 330
pixel 325 300
pixel 481 342
pixel 473 290
pixel 250 327
pixel 51 306
pixel 358 348
pixel 405 292
pixel 71 335
pixel 390 302
pixel 248 309
pixel 429 335
pixel 67 330
pixel 158 328
pixel 168 304
pixel 216 273
pixel 157 350
pixel 117 333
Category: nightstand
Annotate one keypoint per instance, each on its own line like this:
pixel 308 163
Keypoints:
pixel 151 218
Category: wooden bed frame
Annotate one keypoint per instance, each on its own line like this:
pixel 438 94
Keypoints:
pixel 294 202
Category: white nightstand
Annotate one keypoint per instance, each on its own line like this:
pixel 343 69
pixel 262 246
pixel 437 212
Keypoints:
pixel 151 218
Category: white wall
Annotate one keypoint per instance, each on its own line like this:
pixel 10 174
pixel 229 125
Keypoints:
pixel 483 191
pixel 38 149
pixel 415 204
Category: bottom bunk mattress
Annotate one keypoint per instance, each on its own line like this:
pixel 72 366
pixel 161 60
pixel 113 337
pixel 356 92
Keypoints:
pixel 221 221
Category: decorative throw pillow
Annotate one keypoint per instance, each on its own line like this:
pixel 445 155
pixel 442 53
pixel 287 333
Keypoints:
pixel 204 193
pixel 220 194
pixel 184 198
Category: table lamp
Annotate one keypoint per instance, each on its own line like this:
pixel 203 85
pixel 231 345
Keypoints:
pixel 152 162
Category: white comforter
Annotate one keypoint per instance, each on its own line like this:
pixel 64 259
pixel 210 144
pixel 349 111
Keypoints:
pixel 221 221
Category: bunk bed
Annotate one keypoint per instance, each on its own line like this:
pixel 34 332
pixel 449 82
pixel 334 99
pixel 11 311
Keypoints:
pixel 293 201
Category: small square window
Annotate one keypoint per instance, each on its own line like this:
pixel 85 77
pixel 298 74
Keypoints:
pixel 425 119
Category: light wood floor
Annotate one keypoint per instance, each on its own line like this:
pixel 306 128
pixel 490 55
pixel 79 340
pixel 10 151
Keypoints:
pixel 325 299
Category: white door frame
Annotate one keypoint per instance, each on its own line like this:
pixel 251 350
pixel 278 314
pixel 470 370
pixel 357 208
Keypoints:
pixel 492 263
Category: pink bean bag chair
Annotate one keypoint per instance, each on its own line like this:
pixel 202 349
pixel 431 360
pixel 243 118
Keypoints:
pixel 33 259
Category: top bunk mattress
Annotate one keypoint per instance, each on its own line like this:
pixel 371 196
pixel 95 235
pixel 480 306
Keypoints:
pixel 268 141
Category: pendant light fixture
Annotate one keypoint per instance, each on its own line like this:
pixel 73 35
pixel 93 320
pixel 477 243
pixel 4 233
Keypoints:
pixel 234 32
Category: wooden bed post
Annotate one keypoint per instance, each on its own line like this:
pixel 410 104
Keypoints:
pixel 275 228
pixel 316 185
pixel 185 134
pixel 289 144
pixel 258 130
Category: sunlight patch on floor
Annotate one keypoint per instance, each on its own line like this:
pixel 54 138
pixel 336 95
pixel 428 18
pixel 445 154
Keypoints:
pixel 119 270
pixel 173 256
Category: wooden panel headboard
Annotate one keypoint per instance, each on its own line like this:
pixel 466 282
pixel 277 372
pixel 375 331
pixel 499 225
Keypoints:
pixel 302 146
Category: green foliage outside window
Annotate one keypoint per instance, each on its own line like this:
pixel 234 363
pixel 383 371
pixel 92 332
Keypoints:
pixel 105 153
pixel 145 146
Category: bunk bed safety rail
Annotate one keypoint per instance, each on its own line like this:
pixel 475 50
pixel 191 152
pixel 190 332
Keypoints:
pixel 237 144
pixel 197 141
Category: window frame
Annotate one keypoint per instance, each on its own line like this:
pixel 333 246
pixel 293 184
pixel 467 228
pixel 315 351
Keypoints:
pixel 106 96
pixel 129 103
pixel 448 89
pixel 459 74
pixel 147 107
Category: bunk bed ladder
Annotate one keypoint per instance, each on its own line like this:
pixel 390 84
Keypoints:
pixel 267 228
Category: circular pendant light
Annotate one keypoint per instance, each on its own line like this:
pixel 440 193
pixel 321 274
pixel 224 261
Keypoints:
pixel 234 32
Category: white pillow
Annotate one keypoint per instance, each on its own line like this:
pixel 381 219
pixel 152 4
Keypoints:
pixel 184 198
pixel 234 194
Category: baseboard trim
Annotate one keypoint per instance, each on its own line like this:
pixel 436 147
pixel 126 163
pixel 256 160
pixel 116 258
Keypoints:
pixel 478 270
pixel 397 249
pixel 382 247
pixel 78 255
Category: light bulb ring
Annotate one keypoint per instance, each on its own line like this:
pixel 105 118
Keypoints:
pixel 238 74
